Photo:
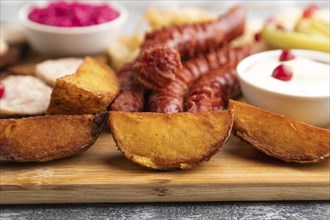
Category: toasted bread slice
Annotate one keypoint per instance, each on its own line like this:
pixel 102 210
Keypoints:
pixel 279 136
pixel 91 89
pixel 45 138
pixel 24 95
pixel 170 141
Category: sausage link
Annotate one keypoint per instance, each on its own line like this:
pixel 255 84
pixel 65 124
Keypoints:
pixel 131 97
pixel 170 99
pixel 192 39
pixel 211 91
pixel 161 53
pixel 165 103
pixel 157 66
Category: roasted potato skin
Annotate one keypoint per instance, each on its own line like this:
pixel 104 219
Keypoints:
pixel 79 94
pixel 46 138
pixel 170 141
pixel 69 99
pixel 279 136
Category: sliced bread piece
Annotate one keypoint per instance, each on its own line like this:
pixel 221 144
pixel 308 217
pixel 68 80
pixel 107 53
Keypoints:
pixel 24 95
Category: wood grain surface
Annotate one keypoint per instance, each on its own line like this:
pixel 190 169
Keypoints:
pixel 102 174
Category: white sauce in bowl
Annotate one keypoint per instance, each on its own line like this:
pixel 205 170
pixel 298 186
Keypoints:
pixel 310 77
pixel 305 97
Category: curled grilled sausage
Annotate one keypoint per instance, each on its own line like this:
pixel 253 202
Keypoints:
pixel 131 97
pixel 170 99
pixel 157 65
pixel 159 60
pixel 192 39
pixel 211 91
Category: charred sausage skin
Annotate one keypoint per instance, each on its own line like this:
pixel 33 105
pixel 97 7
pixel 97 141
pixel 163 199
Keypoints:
pixel 192 39
pixel 131 97
pixel 212 90
pixel 170 99
pixel 160 59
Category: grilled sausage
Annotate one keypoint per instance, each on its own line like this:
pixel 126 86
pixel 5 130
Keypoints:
pixel 131 97
pixel 160 57
pixel 192 39
pixel 157 65
pixel 211 91
pixel 170 99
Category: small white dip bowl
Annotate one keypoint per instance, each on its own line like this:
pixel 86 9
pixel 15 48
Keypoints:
pixel 66 41
pixel 312 109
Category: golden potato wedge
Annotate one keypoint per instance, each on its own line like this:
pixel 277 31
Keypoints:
pixel 50 137
pixel 170 141
pixel 91 89
pixel 279 136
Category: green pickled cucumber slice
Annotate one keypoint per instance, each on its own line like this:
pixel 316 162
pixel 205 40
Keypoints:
pixel 294 40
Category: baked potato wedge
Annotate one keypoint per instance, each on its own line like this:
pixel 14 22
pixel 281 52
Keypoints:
pixel 91 89
pixel 50 137
pixel 279 136
pixel 170 141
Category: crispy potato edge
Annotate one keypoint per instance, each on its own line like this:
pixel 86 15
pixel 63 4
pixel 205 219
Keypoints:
pixel 98 123
pixel 244 137
pixel 175 166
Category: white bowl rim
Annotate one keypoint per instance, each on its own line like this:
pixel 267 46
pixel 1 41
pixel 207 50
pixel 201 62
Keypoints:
pixel 23 17
pixel 251 60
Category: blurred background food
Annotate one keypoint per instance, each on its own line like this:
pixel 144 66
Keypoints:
pixel 24 95
pixel 304 28
pixel 154 14
pixel 65 28
pixel 73 14
pixel 136 9
pixel 159 18
pixel 306 25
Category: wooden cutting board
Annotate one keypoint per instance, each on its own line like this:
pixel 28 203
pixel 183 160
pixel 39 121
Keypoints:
pixel 102 174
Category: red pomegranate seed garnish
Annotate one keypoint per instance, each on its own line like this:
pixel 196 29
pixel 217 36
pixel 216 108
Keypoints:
pixel 286 55
pixel 282 72
pixel 310 10
pixel 257 37
pixel 2 90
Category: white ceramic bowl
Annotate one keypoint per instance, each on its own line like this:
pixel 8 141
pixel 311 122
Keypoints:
pixel 312 109
pixel 65 41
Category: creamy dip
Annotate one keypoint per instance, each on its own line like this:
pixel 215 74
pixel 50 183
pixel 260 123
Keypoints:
pixel 310 77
